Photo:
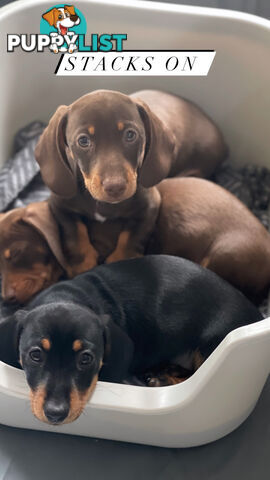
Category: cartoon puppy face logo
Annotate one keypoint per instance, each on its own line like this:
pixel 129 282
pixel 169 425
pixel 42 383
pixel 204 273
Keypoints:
pixel 62 18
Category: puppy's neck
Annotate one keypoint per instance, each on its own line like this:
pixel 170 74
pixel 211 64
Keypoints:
pixel 85 205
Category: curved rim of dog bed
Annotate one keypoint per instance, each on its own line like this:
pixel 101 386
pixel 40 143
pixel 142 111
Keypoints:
pixel 159 400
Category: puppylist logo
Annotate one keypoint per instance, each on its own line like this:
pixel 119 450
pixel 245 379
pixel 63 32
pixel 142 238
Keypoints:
pixel 63 30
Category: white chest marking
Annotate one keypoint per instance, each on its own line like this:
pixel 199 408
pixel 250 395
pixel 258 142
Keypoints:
pixel 99 218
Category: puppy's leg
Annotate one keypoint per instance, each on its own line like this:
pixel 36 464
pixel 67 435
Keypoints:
pixel 78 250
pixel 123 249
pixel 89 256
pixel 133 239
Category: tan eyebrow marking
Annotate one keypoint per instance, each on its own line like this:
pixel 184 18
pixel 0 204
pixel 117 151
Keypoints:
pixel 120 126
pixel 77 345
pixel 91 129
pixel 7 253
pixel 46 344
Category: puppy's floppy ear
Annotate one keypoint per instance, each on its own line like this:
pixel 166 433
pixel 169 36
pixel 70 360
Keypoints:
pixel 10 331
pixel 118 352
pixel 159 148
pixel 70 9
pixel 39 216
pixel 51 157
pixel 49 16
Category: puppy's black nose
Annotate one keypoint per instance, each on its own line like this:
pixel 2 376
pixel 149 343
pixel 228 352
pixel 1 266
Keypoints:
pixel 56 412
pixel 114 186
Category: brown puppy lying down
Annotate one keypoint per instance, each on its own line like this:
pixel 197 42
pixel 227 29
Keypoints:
pixel 33 251
pixel 203 222
pixel 100 155
pixel 28 252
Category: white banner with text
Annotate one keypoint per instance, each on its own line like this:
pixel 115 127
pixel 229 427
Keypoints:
pixel 181 63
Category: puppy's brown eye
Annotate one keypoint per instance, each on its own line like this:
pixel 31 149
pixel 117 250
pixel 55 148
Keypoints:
pixel 130 135
pixel 60 17
pixel 36 355
pixel 84 141
pixel 85 358
pixel 67 14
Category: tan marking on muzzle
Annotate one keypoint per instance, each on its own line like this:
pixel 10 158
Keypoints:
pixel 77 345
pixel 93 183
pixel 46 344
pixel 78 401
pixel 37 398
pixel 91 129
pixel 94 186
pixel 132 179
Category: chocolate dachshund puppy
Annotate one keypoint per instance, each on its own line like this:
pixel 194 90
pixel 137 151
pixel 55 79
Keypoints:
pixel 102 155
pixel 203 222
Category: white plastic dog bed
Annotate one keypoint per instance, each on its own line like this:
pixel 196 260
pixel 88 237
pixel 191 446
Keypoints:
pixel 222 393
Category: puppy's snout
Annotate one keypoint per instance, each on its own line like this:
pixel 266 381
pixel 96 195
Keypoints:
pixel 114 187
pixel 56 413
pixel 9 293
pixel 74 18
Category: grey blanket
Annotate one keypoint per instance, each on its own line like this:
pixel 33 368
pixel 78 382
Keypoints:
pixel 20 179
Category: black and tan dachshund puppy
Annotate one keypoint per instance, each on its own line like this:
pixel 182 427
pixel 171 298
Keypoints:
pixel 116 320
